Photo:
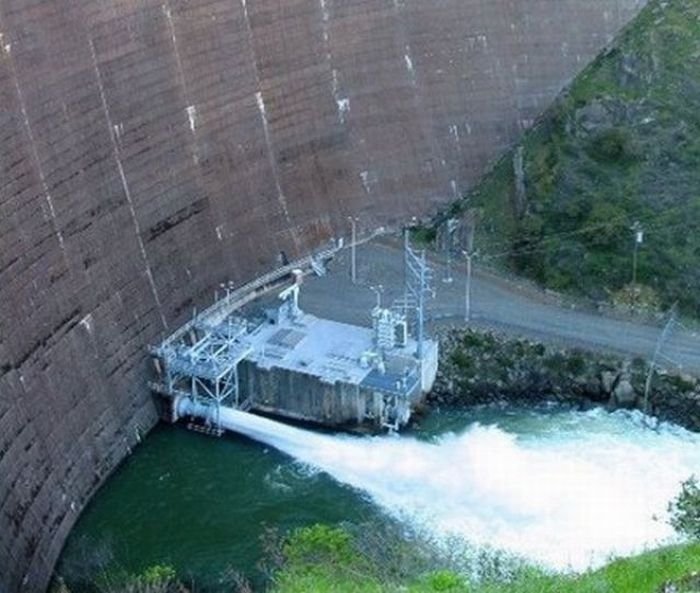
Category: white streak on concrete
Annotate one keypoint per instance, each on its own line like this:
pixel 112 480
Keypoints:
pixel 176 48
pixel 336 83
pixel 455 192
pixel 364 175
pixel 35 154
pixel 86 322
pixel 409 65
pixel 343 109
pixel 454 130
pixel 220 232
pixel 273 162
pixel 343 103
pixel 325 18
pixel 125 186
pixel 173 37
pixel 192 116
pixel 266 131
pixel 6 47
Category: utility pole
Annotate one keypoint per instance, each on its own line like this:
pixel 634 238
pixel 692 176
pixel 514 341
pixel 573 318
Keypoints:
pixel 468 288
pixel 449 228
pixel 638 240
pixel 448 267
pixel 469 253
pixel 353 247
pixel 657 354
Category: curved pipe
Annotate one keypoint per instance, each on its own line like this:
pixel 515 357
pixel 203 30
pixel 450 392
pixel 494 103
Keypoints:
pixel 188 407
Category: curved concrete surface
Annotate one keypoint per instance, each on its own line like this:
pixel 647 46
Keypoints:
pixel 151 150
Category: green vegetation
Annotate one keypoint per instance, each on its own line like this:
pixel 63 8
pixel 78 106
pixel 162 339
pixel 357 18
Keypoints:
pixel 685 509
pixel 361 559
pixel 646 573
pixel 160 578
pixel 621 145
pixel 422 235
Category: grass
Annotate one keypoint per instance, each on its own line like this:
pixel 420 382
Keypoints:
pixel 646 573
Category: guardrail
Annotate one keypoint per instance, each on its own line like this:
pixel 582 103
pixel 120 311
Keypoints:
pixel 251 290
pixel 247 292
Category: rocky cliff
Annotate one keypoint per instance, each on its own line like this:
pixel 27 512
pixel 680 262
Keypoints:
pixel 151 150
pixel 613 161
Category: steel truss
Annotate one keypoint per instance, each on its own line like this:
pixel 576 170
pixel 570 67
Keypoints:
pixel 204 365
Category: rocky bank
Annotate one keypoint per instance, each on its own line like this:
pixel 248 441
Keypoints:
pixel 484 367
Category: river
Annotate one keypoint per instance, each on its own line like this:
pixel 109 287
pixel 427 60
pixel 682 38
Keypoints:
pixel 563 488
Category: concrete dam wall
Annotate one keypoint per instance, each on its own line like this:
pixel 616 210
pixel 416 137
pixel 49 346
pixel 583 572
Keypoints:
pixel 152 149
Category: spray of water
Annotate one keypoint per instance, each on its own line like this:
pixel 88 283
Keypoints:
pixel 595 486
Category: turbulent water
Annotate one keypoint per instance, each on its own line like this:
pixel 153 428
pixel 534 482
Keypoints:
pixel 563 488
pixel 591 486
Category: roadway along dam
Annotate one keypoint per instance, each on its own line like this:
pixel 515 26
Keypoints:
pixel 152 150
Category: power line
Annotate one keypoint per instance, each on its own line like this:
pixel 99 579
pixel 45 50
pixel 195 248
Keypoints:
pixel 540 245
pixel 622 220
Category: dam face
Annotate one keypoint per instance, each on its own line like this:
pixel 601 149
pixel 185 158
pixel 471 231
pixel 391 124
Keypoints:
pixel 154 149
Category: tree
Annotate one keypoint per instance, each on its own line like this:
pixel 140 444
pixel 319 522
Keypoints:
pixel 685 509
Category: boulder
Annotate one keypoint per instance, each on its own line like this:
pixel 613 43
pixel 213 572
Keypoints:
pixel 593 117
pixel 624 395
pixel 608 379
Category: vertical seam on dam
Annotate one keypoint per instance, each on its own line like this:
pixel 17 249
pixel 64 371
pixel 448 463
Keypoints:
pixel 35 155
pixel 266 130
pixel 125 185
pixel 191 109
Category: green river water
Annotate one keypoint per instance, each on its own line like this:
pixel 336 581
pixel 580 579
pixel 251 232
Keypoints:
pixel 509 477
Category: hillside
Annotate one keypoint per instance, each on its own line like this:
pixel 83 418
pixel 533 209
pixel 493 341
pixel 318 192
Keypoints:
pixel 620 146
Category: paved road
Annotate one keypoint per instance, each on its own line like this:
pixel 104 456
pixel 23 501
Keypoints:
pixel 496 304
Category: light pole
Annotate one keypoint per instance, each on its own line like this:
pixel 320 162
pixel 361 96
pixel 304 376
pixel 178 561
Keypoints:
pixel 469 253
pixel 448 268
pixel 228 287
pixel 378 291
pixel 450 226
pixel 353 260
pixel 468 288
pixel 638 240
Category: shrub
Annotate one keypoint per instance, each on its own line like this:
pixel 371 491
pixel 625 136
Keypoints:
pixel 612 145
pixel 445 580
pixel 319 544
pixel 685 509
pixel 423 236
pixel 158 575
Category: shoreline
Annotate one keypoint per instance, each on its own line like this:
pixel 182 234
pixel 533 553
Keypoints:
pixel 485 367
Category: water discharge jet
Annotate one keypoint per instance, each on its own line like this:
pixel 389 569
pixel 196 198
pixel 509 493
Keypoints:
pixel 569 499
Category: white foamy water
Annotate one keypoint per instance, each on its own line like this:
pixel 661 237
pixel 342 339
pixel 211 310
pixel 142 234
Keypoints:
pixel 579 488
